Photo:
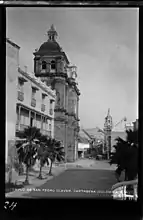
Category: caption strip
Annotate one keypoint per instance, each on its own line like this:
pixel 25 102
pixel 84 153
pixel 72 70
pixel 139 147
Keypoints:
pixel 99 192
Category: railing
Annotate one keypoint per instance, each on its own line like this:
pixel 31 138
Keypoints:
pixel 20 96
pixel 42 107
pixel 119 190
pixel 51 111
pixel 33 102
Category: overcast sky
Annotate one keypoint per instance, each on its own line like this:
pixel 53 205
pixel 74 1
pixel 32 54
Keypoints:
pixel 103 43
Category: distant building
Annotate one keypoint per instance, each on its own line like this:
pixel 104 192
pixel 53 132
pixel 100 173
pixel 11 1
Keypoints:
pixel 129 126
pixel 29 102
pixel 83 146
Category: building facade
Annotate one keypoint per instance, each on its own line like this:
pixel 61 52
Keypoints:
pixel 29 101
pixel 12 63
pixel 83 146
pixel 35 104
pixel 129 126
pixel 52 66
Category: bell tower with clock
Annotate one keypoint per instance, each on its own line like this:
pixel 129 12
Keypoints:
pixel 107 133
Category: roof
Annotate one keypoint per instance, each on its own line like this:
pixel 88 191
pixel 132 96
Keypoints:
pixel 12 43
pixel 51 49
pixel 82 140
pixel 93 132
pixel 50 46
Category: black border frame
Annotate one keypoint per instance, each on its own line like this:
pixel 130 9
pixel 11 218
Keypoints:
pixel 74 208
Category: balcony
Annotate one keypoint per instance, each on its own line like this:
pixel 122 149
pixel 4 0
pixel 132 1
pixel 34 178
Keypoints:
pixel 51 111
pixel 20 96
pixel 21 128
pixel 33 102
pixel 42 107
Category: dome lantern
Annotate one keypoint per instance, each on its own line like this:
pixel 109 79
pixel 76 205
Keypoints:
pixel 52 34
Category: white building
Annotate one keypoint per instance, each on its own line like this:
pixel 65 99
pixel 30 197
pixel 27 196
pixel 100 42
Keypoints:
pixel 35 104
pixel 29 102
pixel 83 145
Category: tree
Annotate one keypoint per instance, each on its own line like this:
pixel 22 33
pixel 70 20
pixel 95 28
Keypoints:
pixel 27 151
pixel 48 148
pixel 126 155
pixel 42 153
pixel 55 152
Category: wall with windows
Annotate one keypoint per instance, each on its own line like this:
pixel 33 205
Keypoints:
pixel 40 105
pixel 35 97
pixel 12 62
pixel 45 65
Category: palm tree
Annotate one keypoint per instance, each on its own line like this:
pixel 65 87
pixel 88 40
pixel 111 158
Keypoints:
pixel 48 148
pixel 126 155
pixel 55 152
pixel 27 151
pixel 42 153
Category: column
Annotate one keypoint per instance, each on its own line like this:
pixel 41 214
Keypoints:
pixel 65 96
pixel 65 144
pixel 77 107
pixel 35 120
pixel 83 152
pixel 41 124
pixel 29 117
pixel 19 117
pixel 76 146
pixel 66 123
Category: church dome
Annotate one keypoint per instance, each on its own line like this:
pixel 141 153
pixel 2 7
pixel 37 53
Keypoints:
pixel 50 46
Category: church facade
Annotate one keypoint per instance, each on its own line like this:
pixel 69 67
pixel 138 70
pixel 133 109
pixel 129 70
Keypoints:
pixel 52 66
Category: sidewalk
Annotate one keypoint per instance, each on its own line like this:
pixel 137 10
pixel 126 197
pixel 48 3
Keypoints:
pixel 33 180
pixel 81 163
pixel 92 164
pixel 103 165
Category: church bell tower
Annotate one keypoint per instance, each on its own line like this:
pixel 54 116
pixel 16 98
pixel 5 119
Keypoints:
pixel 52 66
pixel 107 133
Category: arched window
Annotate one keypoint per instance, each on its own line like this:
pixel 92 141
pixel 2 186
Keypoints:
pixel 43 65
pixel 53 65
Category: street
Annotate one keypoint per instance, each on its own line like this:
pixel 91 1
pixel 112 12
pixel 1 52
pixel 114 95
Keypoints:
pixel 92 179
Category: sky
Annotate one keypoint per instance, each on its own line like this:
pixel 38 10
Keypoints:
pixel 101 42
